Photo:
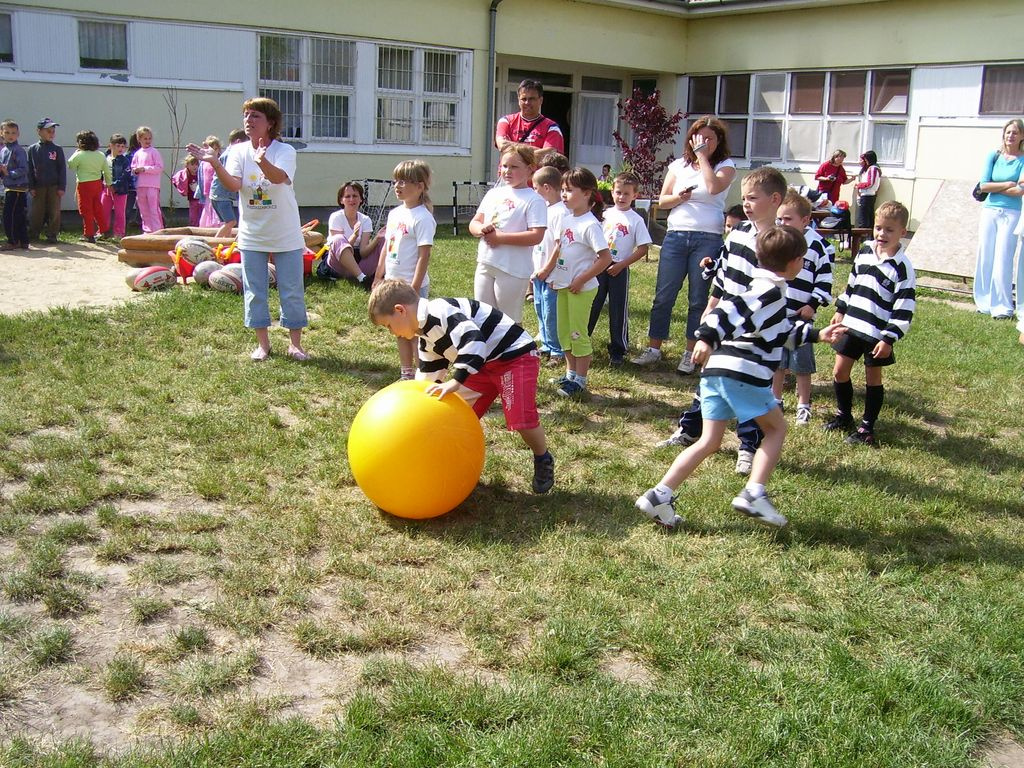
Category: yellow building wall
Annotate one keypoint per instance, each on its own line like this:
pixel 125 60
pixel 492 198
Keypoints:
pixel 872 34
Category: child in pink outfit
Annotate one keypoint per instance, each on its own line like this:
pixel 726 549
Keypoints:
pixel 148 166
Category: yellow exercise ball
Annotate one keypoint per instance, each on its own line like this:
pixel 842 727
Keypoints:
pixel 414 455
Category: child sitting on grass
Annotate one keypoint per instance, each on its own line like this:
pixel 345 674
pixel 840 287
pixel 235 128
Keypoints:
pixel 876 308
pixel 739 344
pixel 490 356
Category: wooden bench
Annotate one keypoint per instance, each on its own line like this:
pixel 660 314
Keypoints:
pixel 852 238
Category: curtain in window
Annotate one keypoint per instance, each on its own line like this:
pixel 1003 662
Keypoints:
pixel 103 45
pixel 1002 91
pixel 889 141
pixel 597 121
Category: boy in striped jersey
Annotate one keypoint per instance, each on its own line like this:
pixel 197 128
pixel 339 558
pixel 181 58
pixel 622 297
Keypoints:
pixel 805 294
pixel 763 190
pixel 740 344
pixel 876 308
pixel 490 356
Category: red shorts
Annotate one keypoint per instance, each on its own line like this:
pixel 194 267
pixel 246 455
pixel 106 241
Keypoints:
pixel 515 381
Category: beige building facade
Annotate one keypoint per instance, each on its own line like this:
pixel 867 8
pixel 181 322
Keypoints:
pixel 925 83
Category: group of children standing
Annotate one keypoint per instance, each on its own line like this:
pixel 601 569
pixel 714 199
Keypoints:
pixel 109 185
pixel 772 275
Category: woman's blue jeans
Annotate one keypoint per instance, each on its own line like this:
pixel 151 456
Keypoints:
pixel 290 288
pixel 681 254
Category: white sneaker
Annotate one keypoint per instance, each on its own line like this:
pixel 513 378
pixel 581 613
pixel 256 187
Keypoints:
pixel 686 366
pixel 759 508
pixel 803 415
pixel 678 438
pixel 648 357
pixel 661 512
pixel 744 462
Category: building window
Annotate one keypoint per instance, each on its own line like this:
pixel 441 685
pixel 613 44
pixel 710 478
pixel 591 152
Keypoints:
pixel 6 39
pixel 1002 90
pixel 312 79
pixel 417 96
pixel 102 45
pixel 804 116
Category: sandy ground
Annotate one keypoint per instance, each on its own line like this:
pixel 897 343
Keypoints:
pixel 62 275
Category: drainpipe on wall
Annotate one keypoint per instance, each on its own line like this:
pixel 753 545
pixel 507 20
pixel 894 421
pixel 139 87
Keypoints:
pixel 491 62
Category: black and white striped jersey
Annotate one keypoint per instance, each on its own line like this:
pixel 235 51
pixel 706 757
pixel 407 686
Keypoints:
pixel 880 298
pixel 466 334
pixel 749 330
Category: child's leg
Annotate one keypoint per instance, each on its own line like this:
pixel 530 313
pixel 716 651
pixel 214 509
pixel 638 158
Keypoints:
pixel 803 388
pixel 874 396
pixel 778 381
pixel 81 201
pixel 579 305
pixel 690 458
pixel 562 322
pixel 599 299
pixel 119 214
pixel 618 315
pixel 510 293
pixel 843 386
pixel 549 329
pixel 773 425
pixel 407 357
pixel 97 210
pixel 106 209
pixel 483 285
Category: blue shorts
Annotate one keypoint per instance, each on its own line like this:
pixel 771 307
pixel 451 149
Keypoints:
pixel 722 399
pixel 225 210
pixel 800 360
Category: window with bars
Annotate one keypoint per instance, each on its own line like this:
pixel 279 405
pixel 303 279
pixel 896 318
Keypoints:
pixel 804 116
pixel 6 39
pixel 312 79
pixel 102 45
pixel 417 96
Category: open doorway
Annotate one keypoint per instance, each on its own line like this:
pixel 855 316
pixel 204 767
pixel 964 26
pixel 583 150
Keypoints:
pixel 558 106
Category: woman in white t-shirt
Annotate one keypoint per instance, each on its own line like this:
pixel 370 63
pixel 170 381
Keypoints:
pixel 510 220
pixel 261 171
pixel 351 252
pixel 694 193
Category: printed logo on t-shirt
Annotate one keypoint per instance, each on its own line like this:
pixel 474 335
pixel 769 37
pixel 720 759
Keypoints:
pixel 52 155
pixel 503 211
pixel 567 236
pixel 614 233
pixel 259 193
pixel 400 231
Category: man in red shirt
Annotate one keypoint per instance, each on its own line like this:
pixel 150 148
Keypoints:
pixel 529 126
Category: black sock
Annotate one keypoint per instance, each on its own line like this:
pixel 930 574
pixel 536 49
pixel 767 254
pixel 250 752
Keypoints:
pixel 844 396
pixel 873 397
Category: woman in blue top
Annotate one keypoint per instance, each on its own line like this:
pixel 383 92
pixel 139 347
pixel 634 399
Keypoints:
pixel 997 242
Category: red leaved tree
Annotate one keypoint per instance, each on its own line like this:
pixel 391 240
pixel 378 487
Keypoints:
pixel 651 128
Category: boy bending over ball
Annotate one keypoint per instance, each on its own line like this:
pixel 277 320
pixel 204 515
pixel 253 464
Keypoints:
pixel 740 344
pixel 489 354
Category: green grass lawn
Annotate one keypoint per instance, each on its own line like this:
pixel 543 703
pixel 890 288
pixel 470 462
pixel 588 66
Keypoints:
pixel 191 578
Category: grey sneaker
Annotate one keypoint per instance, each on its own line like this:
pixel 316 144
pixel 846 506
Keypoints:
pixel 803 415
pixel 678 438
pixel 759 508
pixel 686 366
pixel 648 357
pixel 744 462
pixel 572 389
pixel 661 512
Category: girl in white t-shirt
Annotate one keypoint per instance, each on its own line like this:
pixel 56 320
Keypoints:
pixel 511 220
pixel 580 256
pixel 408 238
pixel 350 251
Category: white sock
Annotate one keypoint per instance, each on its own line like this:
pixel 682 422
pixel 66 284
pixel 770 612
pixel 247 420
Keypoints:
pixel 803 405
pixel 362 276
pixel 663 492
pixel 572 376
pixel 581 380
pixel 756 489
pixel 778 402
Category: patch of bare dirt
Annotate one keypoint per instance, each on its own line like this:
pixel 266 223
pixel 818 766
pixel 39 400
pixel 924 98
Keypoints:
pixel 1003 752
pixel 624 667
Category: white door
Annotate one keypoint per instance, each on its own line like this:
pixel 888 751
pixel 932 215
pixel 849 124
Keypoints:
pixel 592 131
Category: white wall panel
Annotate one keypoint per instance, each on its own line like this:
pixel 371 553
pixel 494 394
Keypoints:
pixel 191 52
pixel 45 42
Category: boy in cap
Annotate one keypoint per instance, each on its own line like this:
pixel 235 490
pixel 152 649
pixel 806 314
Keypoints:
pixel 47 179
